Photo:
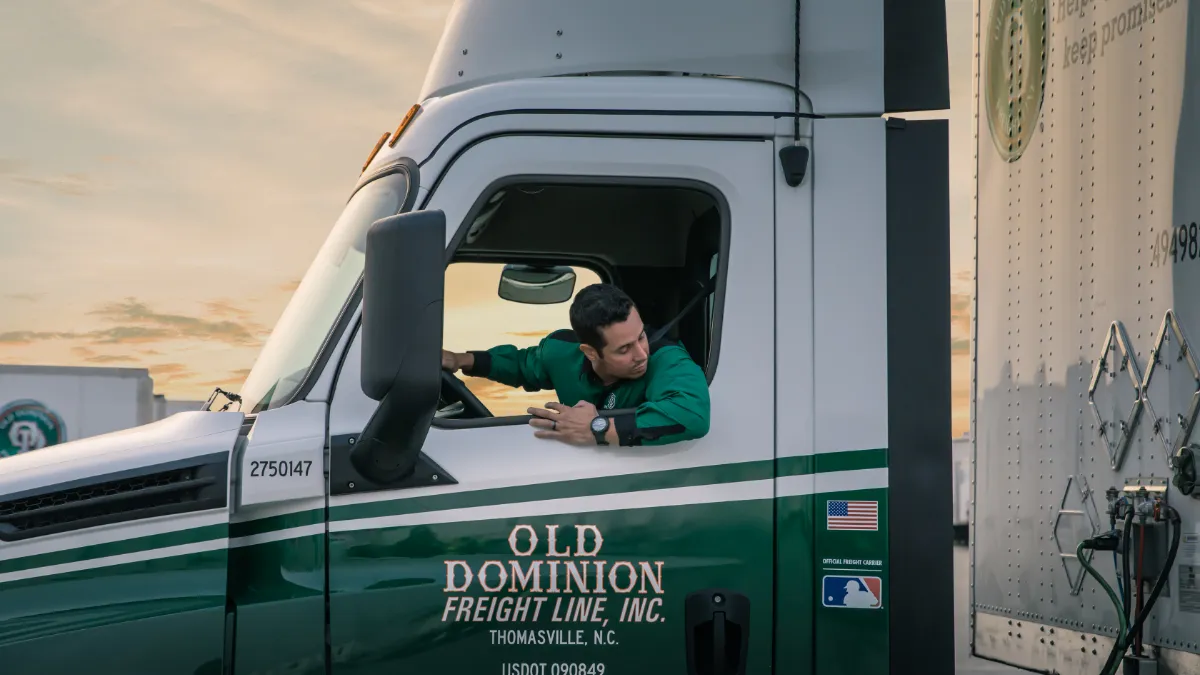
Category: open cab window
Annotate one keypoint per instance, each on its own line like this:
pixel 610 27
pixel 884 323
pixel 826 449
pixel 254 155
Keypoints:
pixel 476 314
pixel 530 247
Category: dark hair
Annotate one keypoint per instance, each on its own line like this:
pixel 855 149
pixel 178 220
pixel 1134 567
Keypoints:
pixel 596 307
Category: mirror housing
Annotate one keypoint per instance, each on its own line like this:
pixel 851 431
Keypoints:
pixel 402 314
pixel 536 285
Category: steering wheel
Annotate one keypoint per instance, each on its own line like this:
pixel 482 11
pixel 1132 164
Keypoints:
pixel 469 400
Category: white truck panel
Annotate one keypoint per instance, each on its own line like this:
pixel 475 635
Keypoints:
pixel 850 254
pixel 90 401
pixel 842 44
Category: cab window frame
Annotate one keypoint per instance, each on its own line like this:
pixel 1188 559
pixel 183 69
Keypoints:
pixel 717 301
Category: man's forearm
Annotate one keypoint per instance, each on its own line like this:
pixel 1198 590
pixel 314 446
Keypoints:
pixel 506 364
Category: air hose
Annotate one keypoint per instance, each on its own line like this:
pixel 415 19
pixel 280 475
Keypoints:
pixel 1126 577
pixel 1104 542
pixel 1127 629
pixel 1176 531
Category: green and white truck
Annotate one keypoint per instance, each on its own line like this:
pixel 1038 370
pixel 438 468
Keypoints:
pixel 353 508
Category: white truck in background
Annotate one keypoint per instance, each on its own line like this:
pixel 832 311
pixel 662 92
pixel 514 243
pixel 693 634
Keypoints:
pixel 960 467
pixel 42 406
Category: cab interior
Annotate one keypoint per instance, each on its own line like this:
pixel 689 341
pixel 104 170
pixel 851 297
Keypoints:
pixel 662 244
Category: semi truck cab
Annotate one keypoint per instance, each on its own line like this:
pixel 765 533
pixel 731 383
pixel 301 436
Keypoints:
pixel 357 509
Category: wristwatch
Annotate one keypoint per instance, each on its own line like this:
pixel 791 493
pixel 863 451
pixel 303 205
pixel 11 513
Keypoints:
pixel 599 428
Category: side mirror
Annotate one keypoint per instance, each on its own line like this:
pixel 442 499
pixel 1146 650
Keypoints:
pixel 403 287
pixel 531 285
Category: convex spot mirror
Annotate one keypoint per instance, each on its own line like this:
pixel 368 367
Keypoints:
pixel 532 285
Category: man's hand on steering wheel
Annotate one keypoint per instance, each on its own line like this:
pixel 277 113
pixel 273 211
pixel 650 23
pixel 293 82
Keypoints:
pixel 451 363
pixel 455 362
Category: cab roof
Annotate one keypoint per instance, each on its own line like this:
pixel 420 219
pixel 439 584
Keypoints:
pixel 486 41
pixel 860 57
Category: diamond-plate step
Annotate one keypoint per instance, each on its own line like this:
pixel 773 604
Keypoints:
pixel 1117 434
pixel 1159 361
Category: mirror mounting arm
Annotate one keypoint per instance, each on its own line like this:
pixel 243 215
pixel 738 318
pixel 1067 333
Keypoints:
pixel 388 448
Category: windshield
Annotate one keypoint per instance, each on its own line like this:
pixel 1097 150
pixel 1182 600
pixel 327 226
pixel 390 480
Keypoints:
pixel 314 308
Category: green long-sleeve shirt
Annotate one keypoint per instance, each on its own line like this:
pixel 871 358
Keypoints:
pixel 670 401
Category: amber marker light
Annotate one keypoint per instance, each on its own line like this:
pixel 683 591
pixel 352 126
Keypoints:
pixel 375 151
pixel 412 112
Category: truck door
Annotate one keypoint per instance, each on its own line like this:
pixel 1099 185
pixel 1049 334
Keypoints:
pixel 515 555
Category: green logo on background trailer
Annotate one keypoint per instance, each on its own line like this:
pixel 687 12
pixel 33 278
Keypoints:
pixel 1015 81
pixel 27 425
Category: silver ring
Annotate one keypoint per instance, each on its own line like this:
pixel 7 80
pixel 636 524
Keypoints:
pixel 554 424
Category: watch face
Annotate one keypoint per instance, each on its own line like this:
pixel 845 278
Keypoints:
pixel 599 424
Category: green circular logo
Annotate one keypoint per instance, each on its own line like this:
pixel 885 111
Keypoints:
pixel 1015 81
pixel 27 425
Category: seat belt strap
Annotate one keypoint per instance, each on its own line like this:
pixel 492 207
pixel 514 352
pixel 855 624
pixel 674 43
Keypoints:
pixel 709 287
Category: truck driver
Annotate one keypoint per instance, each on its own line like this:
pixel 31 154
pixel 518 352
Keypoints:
pixel 604 360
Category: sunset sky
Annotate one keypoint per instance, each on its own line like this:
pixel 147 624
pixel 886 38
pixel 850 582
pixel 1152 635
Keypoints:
pixel 169 169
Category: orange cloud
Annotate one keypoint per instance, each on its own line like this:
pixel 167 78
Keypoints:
pixel 91 356
pixel 170 373
pixel 223 384
pixel 224 308
pixel 128 335
pixel 152 325
pixel 25 337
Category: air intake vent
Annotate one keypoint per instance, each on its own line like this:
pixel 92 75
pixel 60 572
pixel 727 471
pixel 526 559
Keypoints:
pixel 180 487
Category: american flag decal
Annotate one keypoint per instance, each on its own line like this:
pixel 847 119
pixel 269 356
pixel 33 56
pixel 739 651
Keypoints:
pixel 847 515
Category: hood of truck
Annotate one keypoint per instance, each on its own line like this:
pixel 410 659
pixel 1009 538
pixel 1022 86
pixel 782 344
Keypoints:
pixel 179 437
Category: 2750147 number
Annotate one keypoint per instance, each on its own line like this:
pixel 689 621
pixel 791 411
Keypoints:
pixel 1176 245
pixel 279 468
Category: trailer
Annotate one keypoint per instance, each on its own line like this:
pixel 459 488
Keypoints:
pixel 1086 386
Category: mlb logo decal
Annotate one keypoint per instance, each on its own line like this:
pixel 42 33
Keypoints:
pixel 842 514
pixel 852 592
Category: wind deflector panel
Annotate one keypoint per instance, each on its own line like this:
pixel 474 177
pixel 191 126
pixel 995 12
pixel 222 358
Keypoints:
pixel 195 484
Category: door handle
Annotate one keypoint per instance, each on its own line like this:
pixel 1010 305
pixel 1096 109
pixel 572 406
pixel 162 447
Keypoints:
pixel 717 621
pixel 719 643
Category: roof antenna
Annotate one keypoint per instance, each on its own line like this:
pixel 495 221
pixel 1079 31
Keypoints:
pixel 793 159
